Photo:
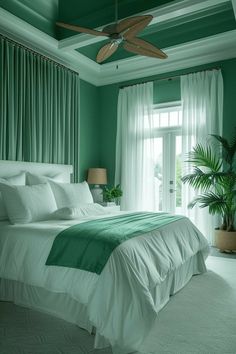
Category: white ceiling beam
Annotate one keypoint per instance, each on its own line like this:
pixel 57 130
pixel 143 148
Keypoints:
pixel 234 7
pixel 160 14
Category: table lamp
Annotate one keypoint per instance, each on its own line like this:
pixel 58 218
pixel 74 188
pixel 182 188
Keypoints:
pixel 97 177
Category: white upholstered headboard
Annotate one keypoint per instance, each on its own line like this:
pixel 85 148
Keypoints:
pixel 11 168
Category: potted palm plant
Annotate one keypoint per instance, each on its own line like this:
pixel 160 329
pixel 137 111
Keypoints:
pixel 214 176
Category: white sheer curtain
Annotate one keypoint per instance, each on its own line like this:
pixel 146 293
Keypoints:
pixel 134 160
pixel 202 99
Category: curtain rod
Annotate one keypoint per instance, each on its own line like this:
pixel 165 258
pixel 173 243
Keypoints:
pixel 37 53
pixel 170 77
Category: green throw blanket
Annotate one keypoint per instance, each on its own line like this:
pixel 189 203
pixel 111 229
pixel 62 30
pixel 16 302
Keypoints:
pixel 88 245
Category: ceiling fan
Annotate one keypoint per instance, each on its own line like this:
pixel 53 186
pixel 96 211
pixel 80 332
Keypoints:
pixel 122 33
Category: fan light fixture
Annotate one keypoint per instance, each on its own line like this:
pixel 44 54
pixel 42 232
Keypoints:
pixel 122 33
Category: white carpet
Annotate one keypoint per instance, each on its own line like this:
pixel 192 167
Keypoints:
pixel 200 319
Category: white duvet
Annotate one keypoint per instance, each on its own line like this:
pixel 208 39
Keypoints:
pixel 123 301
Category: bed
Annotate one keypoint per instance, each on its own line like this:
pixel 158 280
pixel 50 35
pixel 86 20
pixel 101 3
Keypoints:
pixel 119 305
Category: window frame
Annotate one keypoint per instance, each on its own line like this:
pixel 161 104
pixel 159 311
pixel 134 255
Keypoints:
pixel 167 107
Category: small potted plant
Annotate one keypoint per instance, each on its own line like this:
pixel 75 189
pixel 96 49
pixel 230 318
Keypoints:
pixel 215 177
pixel 113 194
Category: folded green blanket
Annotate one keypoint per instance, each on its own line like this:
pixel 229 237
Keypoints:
pixel 88 245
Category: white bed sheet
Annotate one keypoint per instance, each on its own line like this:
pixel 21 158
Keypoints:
pixel 140 275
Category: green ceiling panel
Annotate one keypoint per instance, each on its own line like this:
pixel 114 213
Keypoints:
pixel 205 27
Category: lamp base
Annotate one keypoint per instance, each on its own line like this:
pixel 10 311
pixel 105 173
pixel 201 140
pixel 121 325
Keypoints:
pixel 97 194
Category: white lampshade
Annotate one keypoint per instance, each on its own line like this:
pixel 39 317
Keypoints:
pixel 97 176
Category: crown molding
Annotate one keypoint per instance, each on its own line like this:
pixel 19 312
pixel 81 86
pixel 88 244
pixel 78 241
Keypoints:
pixel 206 50
pixel 160 14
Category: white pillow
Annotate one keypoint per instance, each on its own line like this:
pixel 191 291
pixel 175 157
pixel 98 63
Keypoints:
pixel 15 180
pixel 71 194
pixel 26 204
pixel 32 179
pixel 70 213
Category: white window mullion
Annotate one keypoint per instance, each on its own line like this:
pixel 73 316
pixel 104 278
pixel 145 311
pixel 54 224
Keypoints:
pixel 169 172
pixel 172 179
pixel 166 172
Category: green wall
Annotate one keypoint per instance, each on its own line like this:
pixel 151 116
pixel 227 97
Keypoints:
pixel 164 91
pixel 90 132
pixel 229 74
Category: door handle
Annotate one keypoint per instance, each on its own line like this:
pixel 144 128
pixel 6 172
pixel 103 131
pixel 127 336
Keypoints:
pixel 171 190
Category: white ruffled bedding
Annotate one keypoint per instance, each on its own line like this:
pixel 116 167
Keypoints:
pixel 135 284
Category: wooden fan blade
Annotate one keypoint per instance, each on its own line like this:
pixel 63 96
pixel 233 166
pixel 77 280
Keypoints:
pixel 139 46
pixel 106 51
pixel 129 23
pixel 82 29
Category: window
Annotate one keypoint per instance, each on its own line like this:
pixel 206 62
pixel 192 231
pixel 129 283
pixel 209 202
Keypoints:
pixel 167 116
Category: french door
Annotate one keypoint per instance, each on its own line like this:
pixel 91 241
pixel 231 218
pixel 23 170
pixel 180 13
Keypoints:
pixel 167 147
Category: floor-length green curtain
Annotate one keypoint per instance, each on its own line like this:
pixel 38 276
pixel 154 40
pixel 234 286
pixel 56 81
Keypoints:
pixel 39 108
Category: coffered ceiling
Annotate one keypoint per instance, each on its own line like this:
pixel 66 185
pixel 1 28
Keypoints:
pixel 190 32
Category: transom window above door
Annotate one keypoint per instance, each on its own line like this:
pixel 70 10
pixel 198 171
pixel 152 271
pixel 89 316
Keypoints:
pixel 167 115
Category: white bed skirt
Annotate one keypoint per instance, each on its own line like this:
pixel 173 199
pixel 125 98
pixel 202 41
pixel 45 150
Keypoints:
pixel 63 306
pixel 56 304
